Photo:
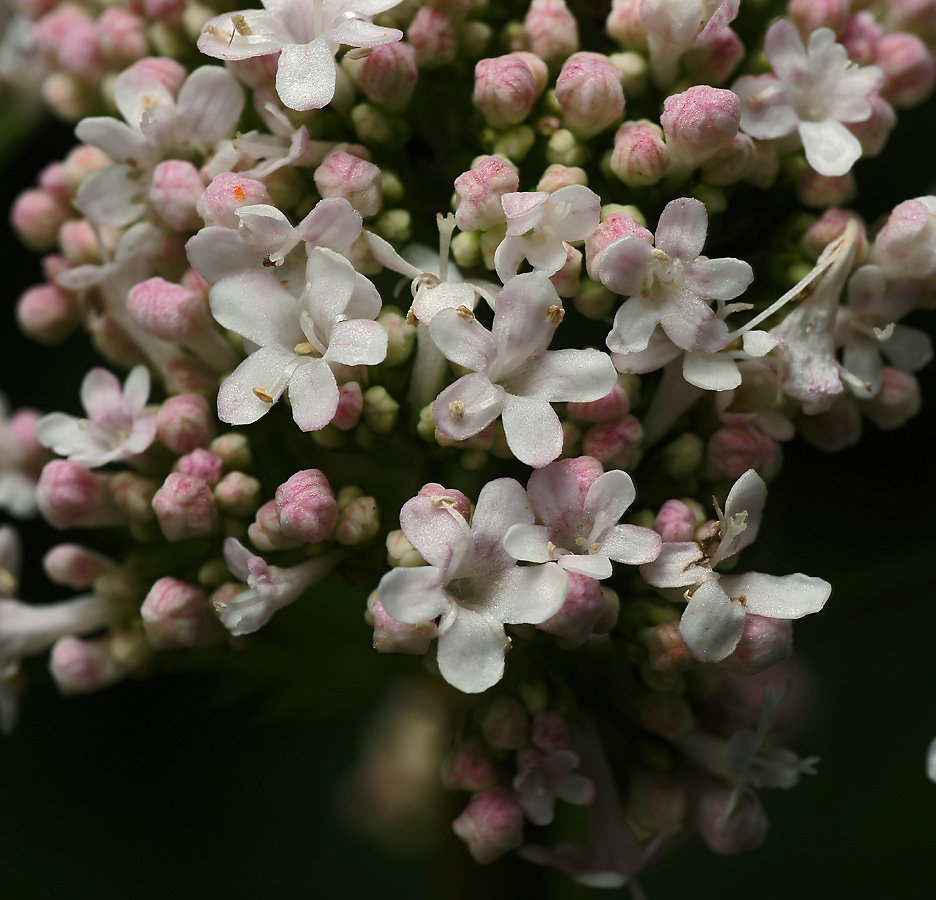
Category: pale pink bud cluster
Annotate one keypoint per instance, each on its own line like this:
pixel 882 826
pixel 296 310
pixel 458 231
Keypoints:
pixel 202 464
pixel 175 614
pixel 640 156
pixel 506 87
pixel 185 507
pixel 356 180
pixel 174 193
pixel 479 191
pixel 698 122
pixel 306 507
pixel 121 37
pixel 589 91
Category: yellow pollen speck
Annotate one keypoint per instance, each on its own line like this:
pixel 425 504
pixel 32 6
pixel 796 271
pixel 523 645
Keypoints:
pixel 594 547
pixel 241 26
pixel 555 314
pixel 239 193
pixel 7 583
pixel 457 410
pixel 264 395
pixel 465 313
pixel 304 349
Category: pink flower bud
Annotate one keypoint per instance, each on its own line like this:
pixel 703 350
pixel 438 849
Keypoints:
pixel 358 181
pixel 358 522
pixel 52 180
pixel 237 494
pixel 491 825
pixel 578 618
pixel 557 176
pixel 121 36
pixel 174 192
pixel 186 374
pixel 37 216
pixel 733 163
pixel 67 96
pixel 169 12
pixel 640 156
pixel 589 91
pixel 434 38
pixel 134 494
pixel 81 667
pixel 350 406
pixel 654 801
pixel 551 30
pixel 829 226
pixel 258 72
pixel 916 16
pixel 265 532
pixel 675 521
pixel 715 61
pixel 75 566
pixel 764 642
pixel 625 25
pixel 909 70
pixel 744 830
pixel 820 191
pixel 306 507
pixel 448 497
pixel 234 450
pixel 168 72
pixel 113 343
pixel 388 75
pixel 81 162
pixel 505 724
pixel 897 402
pixel 69 496
pixel 666 650
pixel 906 246
pixel 47 313
pixel 202 464
pixel 612 229
pixel 550 731
pixel 479 191
pixel 834 429
pixel 69 35
pixel 226 193
pixel 78 241
pixel 175 614
pixel 391 636
pixel 469 769
pixel 185 422
pixel 698 122
pixel 667 715
pixel 506 87
pixel 614 444
pixel 808 15
pixel 733 449
pixel 874 131
pixel 185 507
pixel 860 36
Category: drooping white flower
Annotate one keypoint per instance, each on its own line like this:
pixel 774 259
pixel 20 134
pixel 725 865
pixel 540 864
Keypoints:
pixel 669 284
pixel 717 605
pixel 307 34
pixel 471 582
pixel 542 778
pixel 513 375
pixel 815 90
pixel 299 340
pixel 116 427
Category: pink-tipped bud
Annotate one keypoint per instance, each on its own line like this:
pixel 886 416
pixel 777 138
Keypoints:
pixel 185 507
pixel 134 494
pixel 733 449
pixel 614 444
pixel 37 216
pixel 764 642
pixel 506 87
pixel 874 131
pixel 170 73
pixel 479 192
pixel 715 61
pixel 227 193
pixel 47 313
pixel 698 122
pixel 469 769
pixel 186 374
pixel 121 37
pixel 557 176
pixel 202 464
pixel 70 36
pixel 388 75
pixel 615 227
pixel 666 650
pixel 433 35
pixel 550 731
pixel 675 521
pixel 350 406
pixel 566 281
pixel 744 830
pixel 551 30
pixel 234 450
pixel 491 825
pixel 906 246
pixel 579 616
pixel 75 566
pixel 81 162
pixel 69 496
pixel 391 636
pixel 614 405
pixel 81 667
pixel 358 181
pixel 184 423
pixel 625 25
pixel 897 402
pixel 174 192
pixel 821 191
pixel 265 532
pixel 830 226
pixel 640 156
pixel 52 180
pixel 448 498
pixel 168 12
pixel 237 494
pixel 175 614
pixel 78 241
pixel 917 16
pixel 909 69
pixel 306 506
pixel 860 36
pixel 733 163
pixel 505 724
pixel 808 15
pixel 589 91
pixel 168 311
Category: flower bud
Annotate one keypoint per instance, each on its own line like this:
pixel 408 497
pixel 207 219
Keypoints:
pixel 380 410
pixel 234 450
pixel 134 494
pixel 744 830
pixel 897 402
pixel 202 464
pixel 228 192
pixel 578 617
pixel 186 374
pixel 764 642
pixel 265 532
pixel 613 228
pixel 491 825
pixel 68 96
pixel 388 75
pixel 350 406
pixel 715 61
pixel 505 724
pixel 37 216
pixel 121 37
pixel 81 162
pixel 733 449
pixel 549 731
pixel 558 176
pixel 306 507
pixel 667 715
pixel 640 156
pixel 175 614
pixel 174 192
pixel 237 494
pixel 551 31
pixel 479 192
pixel 358 181
pixel 47 314
pixel 808 15
pixel 506 87
pixel 874 131
pixel 698 122
pixel 69 496
pixel 675 521
pixel 358 522
pixel 732 163
pixel 820 191
pixel 81 667
pixel 469 769
pixel 170 73
pixel 589 91
pixel 830 226
pixel 434 38
pixel 909 70
pixel 666 650
pixel 614 405
pixel 78 240
pixel 75 566
pixel 614 444
pixel 400 339
pixel 185 507
pixel 391 636
pixel 184 423
pixel 625 25
pixel 906 246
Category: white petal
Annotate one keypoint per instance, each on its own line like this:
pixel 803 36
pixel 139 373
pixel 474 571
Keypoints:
pixel 258 307
pixel 712 623
pixel 682 228
pixel 237 402
pixel 779 596
pixel 463 340
pixel 711 371
pixel 631 544
pixel 611 493
pixel 831 149
pixel 434 531
pixel 313 395
pixel 529 543
pixel 680 564
pixel 532 429
pixel 471 650
pixel 305 76
pixel 413 595
pixel 468 406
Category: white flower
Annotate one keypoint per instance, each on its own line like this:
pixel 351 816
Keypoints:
pixel 814 91
pixel 471 582
pixel 116 428
pixel 306 33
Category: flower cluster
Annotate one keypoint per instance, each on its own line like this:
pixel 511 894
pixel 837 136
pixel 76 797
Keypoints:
pixel 591 378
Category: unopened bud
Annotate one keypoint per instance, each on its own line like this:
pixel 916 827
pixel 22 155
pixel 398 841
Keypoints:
pixel 234 450
pixel 505 724
pixel 732 163
pixel 265 532
pixel 227 193
pixel 625 25
pixel 354 179
pixel 47 314
pixel 640 156
pixel 69 496
pixel 380 410
pixel 202 464
pixel 698 122
pixel 614 444
pixel 675 521
pixel 237 494
pixel 388 75
pixel 667 715
pixel 121 37
pixel 186 374
pixel 580 613
pixel 306 507
pixel 433 36
pixel 715 61
pixel 551 30
pixel 744 830
pixel 391 636
pixel 733 449
pixel 906 246
pixel 549 731
pixel 896 402
pixel 821 191
pixel 81 666
pixel 175 614
pixel 506 87
pixel 589 91
pixel 655 801
pixel 469 769
pixel 75 566
pixel 184 423
pixel 174 192
pixel 358 522
pixel 479 191
pixel 666 650
pixel 37 216
pixel 185 507
pixel 491 825
pixel 134 495
pixel 764 642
